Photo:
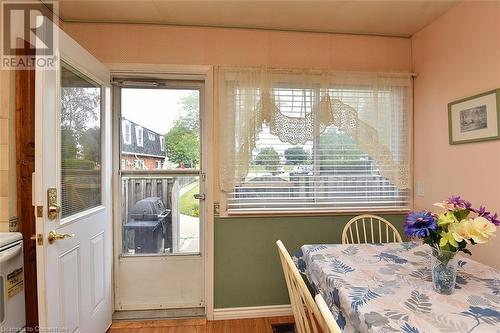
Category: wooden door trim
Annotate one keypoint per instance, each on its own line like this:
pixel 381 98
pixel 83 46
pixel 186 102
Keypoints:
pixel 25 166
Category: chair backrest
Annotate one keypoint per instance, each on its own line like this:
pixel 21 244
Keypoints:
pixel 369 229
pixel 307 316
pixel 328 318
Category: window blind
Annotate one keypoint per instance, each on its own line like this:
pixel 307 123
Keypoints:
pixel 331 172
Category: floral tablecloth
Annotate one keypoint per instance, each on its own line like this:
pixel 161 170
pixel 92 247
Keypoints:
pixel 388 288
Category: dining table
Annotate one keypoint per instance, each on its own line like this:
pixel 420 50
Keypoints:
pixel 388 288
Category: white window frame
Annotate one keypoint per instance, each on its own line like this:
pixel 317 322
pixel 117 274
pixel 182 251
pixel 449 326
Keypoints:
pixel 162 143
pixel 151 136
pixel 127 126
pixel 139 164
pixel 139 134
pixel 158 165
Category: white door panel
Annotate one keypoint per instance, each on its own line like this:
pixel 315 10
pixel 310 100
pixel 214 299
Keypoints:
pixel 73 155
pixel 179 282
pixel 69 285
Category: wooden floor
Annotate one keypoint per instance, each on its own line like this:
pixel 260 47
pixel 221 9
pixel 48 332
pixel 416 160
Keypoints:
pixel 256 325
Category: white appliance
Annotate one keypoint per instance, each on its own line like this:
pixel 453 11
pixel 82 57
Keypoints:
pixel 12 315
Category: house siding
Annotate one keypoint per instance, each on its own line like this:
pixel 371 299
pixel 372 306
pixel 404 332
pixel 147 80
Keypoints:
pixel 150 153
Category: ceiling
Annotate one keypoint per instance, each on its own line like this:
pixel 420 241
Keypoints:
pixel 393 18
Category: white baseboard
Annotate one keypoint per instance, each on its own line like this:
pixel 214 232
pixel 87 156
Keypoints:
pixel 253 312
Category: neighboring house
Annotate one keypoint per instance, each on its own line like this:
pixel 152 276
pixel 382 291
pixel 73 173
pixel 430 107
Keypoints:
pixel 142 148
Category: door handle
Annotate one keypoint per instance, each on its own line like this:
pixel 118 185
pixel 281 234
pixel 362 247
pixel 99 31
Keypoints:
pixel 54 235
pixel 199 196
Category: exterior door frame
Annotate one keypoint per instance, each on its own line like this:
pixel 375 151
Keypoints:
pixel 180 72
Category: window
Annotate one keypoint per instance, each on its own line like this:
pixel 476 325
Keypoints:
pixel 139 136
pixel 162 143
pixel 80 142
pixel 331 170
pixel 139 164
pixel 126 132
pixel 170 182
pixel 124 164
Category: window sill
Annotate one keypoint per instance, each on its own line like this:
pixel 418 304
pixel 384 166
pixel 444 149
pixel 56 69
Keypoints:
pixel 310 213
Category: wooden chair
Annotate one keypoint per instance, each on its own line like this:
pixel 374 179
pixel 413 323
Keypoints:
pixel 307 315
pixel 331 323
pixel 369 229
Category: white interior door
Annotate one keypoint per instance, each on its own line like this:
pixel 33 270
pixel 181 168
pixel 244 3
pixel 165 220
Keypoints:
pixel 72 191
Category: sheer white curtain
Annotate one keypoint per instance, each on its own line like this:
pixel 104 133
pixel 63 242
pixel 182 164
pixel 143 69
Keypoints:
pixel 298 105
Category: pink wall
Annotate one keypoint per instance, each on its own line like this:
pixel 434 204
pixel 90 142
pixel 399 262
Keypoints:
pixel 122 43
pixel 457 56
pixel 217 46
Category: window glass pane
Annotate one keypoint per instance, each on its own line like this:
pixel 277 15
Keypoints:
pixel 329 172
pixel 160 214
pixel 80 142
pixel 160 125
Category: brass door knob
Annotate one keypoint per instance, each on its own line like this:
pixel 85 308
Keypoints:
pixel 54 235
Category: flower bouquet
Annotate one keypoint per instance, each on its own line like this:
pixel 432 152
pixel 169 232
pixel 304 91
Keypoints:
pixel 448 232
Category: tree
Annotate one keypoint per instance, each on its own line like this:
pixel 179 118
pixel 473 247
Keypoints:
pixel 182 142
pixel 79 123
pixel 90 144
pixel 190 107
pixel 69 148
pixel 269 158
pixel 337 148
pixel 79 108
pixel 182 145
pixel 296 155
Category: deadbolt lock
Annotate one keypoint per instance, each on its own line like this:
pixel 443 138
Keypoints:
pixel 53 207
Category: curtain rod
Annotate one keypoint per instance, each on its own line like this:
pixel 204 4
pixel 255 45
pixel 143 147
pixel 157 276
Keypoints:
pixel 294 70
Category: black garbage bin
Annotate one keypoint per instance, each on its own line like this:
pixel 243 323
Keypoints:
pixel 151 224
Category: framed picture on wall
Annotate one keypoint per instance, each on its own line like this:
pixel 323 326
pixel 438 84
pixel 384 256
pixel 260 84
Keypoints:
pixel 475 118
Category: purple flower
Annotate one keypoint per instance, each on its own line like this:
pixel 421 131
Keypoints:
pixel 493 218
pixel 420 224
pixel 481 211
pixel 456 201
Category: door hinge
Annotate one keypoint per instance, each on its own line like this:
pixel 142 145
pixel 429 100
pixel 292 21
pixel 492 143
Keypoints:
pixel 199 196
pixel 203 176
pixel 39 211
pixel 216 208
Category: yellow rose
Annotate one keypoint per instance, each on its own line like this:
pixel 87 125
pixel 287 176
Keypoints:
pixel 478 229
pixel 481 229
pixel 461 231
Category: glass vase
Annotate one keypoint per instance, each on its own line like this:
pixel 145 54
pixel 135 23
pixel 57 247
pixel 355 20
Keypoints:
pixel 444 270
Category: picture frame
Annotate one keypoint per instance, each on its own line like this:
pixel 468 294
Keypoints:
pixel 475 118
